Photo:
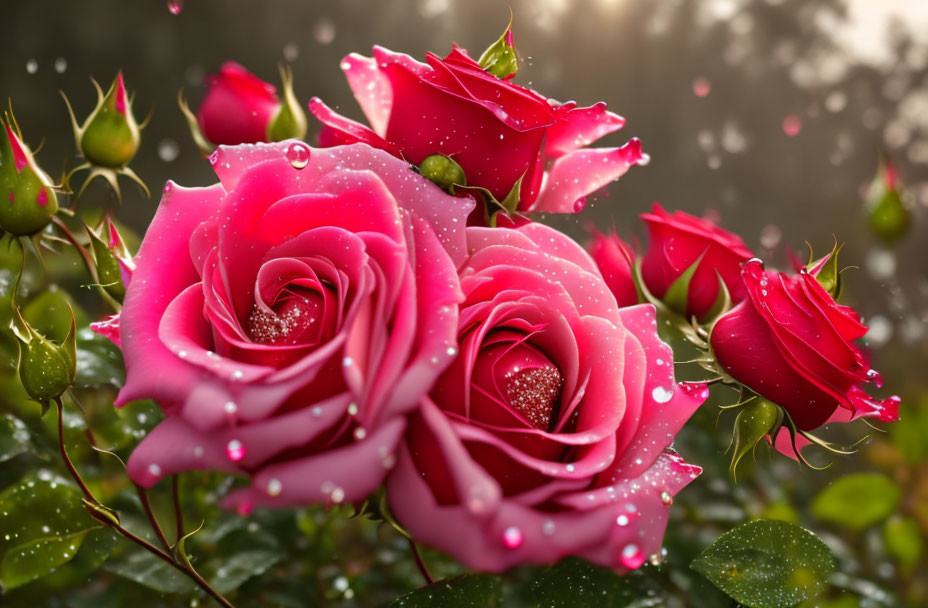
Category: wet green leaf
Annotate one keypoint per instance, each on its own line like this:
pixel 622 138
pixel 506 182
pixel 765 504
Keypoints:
pixel 575 583
pixel 14 437
pixel 35 558
pixel 146 569
pixel 857 501
pixel 99 361
pixel 767 564
pixel 468 591
pixel 233 570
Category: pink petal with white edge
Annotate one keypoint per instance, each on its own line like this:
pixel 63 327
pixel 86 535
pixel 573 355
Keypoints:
pixel 345 474
pixel 108 327
pixel 580 127
pixel 153 371
pixel 371 88
pixel 573 176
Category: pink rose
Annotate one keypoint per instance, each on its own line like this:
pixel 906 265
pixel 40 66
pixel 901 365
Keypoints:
pixel 497 131
pixel 616 263
pixel 550 433
pixel 790 342
pixel 679 240
pixel 288 318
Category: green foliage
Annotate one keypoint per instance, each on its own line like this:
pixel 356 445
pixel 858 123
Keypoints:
pixel 575 583
pixel 903 541
pixel 857 501
pixel 469 591
pixel 767 564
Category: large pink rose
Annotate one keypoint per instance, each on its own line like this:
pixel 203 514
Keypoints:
pixel 288 318
pixel 497 131
pixel 550 433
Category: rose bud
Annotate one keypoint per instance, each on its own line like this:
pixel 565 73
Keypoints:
pixel 513 145
pixel 241 108
pixel 687 259
pixel 550 433
pixel 27 196
pixel 792 344
pixel 288 318
pixel 113 262
pixel 47 367
pixel 887 211
pixel 616 263
pixel 110 136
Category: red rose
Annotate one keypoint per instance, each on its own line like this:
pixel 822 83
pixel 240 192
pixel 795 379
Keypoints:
pixel 497 131
pixel 676 242
pixel 238 106
pixel 790 342
pixel 616 263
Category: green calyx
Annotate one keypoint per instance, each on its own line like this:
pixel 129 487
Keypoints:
pixel 110 255
pixel 500 58
pixel 888 213
pixel 27 195
pixel 47 368
pixel 290 120
pixel 757 419
pixel 827 273
pixel 110 136
pixel 443 171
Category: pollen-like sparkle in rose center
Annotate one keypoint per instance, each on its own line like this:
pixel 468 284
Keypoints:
pixel 534 393
pixel 287 325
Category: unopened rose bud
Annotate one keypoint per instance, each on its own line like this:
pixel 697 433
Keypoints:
pixel 443 172
pixel 888 213
pixel 827 273
pixel 500 58
pixel 241 108
pixel 46 368
pixel 757 419
pixel 110 136
pixel 27 196
pixel 114 263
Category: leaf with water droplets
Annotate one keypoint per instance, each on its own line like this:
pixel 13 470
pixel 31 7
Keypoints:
pixel 14 437
pixel 469 591
pixel 99 361
pixel 857 501
pixel 33 559
pixel 575 583
pixel 233 570
pixel 767 564
pixel 146 569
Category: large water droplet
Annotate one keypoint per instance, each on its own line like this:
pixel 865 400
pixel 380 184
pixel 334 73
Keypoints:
pixel 298 155
pixel 512 537
pixel 235 450
pixel 632 557
pixel 661 394
pixel 274 487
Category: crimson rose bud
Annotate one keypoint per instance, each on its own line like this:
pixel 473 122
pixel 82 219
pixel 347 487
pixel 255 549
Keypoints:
pixel 791 343
pixel 27 195
pixel 615 261
pixel 682 245
pixel 241 108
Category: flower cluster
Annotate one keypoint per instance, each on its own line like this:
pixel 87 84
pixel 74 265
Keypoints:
pixel 381 311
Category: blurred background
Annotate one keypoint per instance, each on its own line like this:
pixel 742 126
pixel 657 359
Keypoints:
pixel 769 116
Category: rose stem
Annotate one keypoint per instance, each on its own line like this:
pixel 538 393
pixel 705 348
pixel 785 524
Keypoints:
pixel 166 557
pixel 420 562
pixel 178 514
pixel 146 504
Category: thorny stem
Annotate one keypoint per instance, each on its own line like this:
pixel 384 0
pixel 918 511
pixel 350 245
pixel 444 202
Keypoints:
pixel 160 554
pixel 420 562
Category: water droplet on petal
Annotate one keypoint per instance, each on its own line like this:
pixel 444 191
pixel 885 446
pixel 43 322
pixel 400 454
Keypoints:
pixel 666 498
pixel 512 537
pixel 155 470
pixel 298 154
pixel 644 160
pixel 235 450
pixel 622 520
pixel 632 557
pixel 274 487
pixel 661 394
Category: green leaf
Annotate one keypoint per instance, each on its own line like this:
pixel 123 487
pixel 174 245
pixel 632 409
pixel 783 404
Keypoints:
pixel 99 361
pixel 14 437
pixel 575 583
pixel 36 558
pixel 857 501
pixel 146 569
pixel 38 512
pixel 233 570
pixel 468 591
pixel 903 539
pixel 767 564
